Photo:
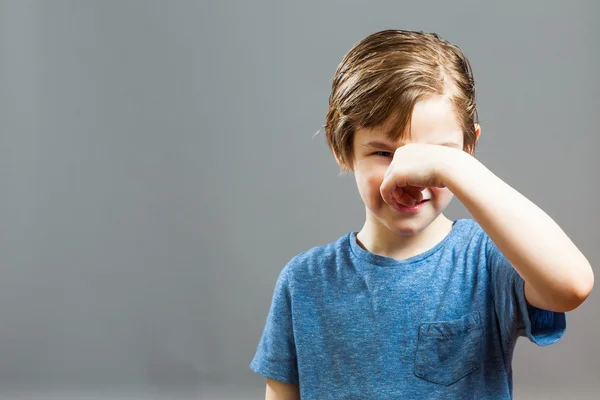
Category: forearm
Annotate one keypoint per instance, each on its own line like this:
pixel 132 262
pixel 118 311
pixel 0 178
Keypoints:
pixel 281 391
pixel 533 243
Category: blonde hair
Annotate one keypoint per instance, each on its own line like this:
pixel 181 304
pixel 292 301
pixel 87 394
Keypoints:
pixel 385 75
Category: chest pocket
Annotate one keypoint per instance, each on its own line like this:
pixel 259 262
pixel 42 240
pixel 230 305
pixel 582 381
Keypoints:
pixel 447 351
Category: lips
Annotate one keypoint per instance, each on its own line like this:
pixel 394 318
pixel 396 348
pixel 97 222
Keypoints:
pixel 408 209
pixel 422 201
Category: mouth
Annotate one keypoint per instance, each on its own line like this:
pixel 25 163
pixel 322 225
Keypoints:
pixel 409 209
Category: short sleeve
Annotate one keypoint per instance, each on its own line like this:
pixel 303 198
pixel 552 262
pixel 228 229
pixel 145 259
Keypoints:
pixel 516 317
pixel 275 356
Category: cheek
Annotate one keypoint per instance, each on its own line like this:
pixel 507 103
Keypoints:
pixel 369 185
pixel 441 196
pixel 374 185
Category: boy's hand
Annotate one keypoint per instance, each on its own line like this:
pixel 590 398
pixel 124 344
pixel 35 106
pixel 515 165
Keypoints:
pixel 413 168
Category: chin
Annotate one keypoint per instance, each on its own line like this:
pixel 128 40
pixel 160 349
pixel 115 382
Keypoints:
pixel 407 226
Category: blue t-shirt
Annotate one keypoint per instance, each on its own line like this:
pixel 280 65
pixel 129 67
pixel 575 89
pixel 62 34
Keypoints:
pixel 345 323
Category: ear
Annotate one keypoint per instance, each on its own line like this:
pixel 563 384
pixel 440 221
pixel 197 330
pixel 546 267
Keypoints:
pixel 343 169
pixel 471 151
pixel 337 158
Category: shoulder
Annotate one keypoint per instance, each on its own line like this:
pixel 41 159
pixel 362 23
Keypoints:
pixel 468 228
pixel 471 241
pixel 470 234
pixel 317 261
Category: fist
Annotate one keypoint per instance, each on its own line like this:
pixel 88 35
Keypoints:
pixel 415 167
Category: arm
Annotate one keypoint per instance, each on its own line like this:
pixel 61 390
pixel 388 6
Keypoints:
pixel 281 391
pixel 557 275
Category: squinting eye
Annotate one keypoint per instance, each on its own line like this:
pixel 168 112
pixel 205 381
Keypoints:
pixel 384 153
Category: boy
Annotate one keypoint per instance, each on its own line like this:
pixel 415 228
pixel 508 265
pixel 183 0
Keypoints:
pixel 414 305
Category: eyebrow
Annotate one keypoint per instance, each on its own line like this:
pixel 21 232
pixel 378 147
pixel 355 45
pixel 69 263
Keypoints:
pixel 377 145
pixel 386 146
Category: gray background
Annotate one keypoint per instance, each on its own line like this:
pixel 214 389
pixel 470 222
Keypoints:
pixel 158 169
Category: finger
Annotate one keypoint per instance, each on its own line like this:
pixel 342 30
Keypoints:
pixel 388 186
pixel 397 194
pixel 415 192
pixel 407 200
pixel 390 197
pixel 404 198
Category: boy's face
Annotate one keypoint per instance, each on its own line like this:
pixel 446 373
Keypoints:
pixel 433 122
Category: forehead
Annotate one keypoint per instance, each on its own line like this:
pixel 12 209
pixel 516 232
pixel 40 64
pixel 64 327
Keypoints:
pixel 433 121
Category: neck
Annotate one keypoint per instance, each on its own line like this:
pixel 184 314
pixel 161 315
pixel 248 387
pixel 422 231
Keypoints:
pixel 376 238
